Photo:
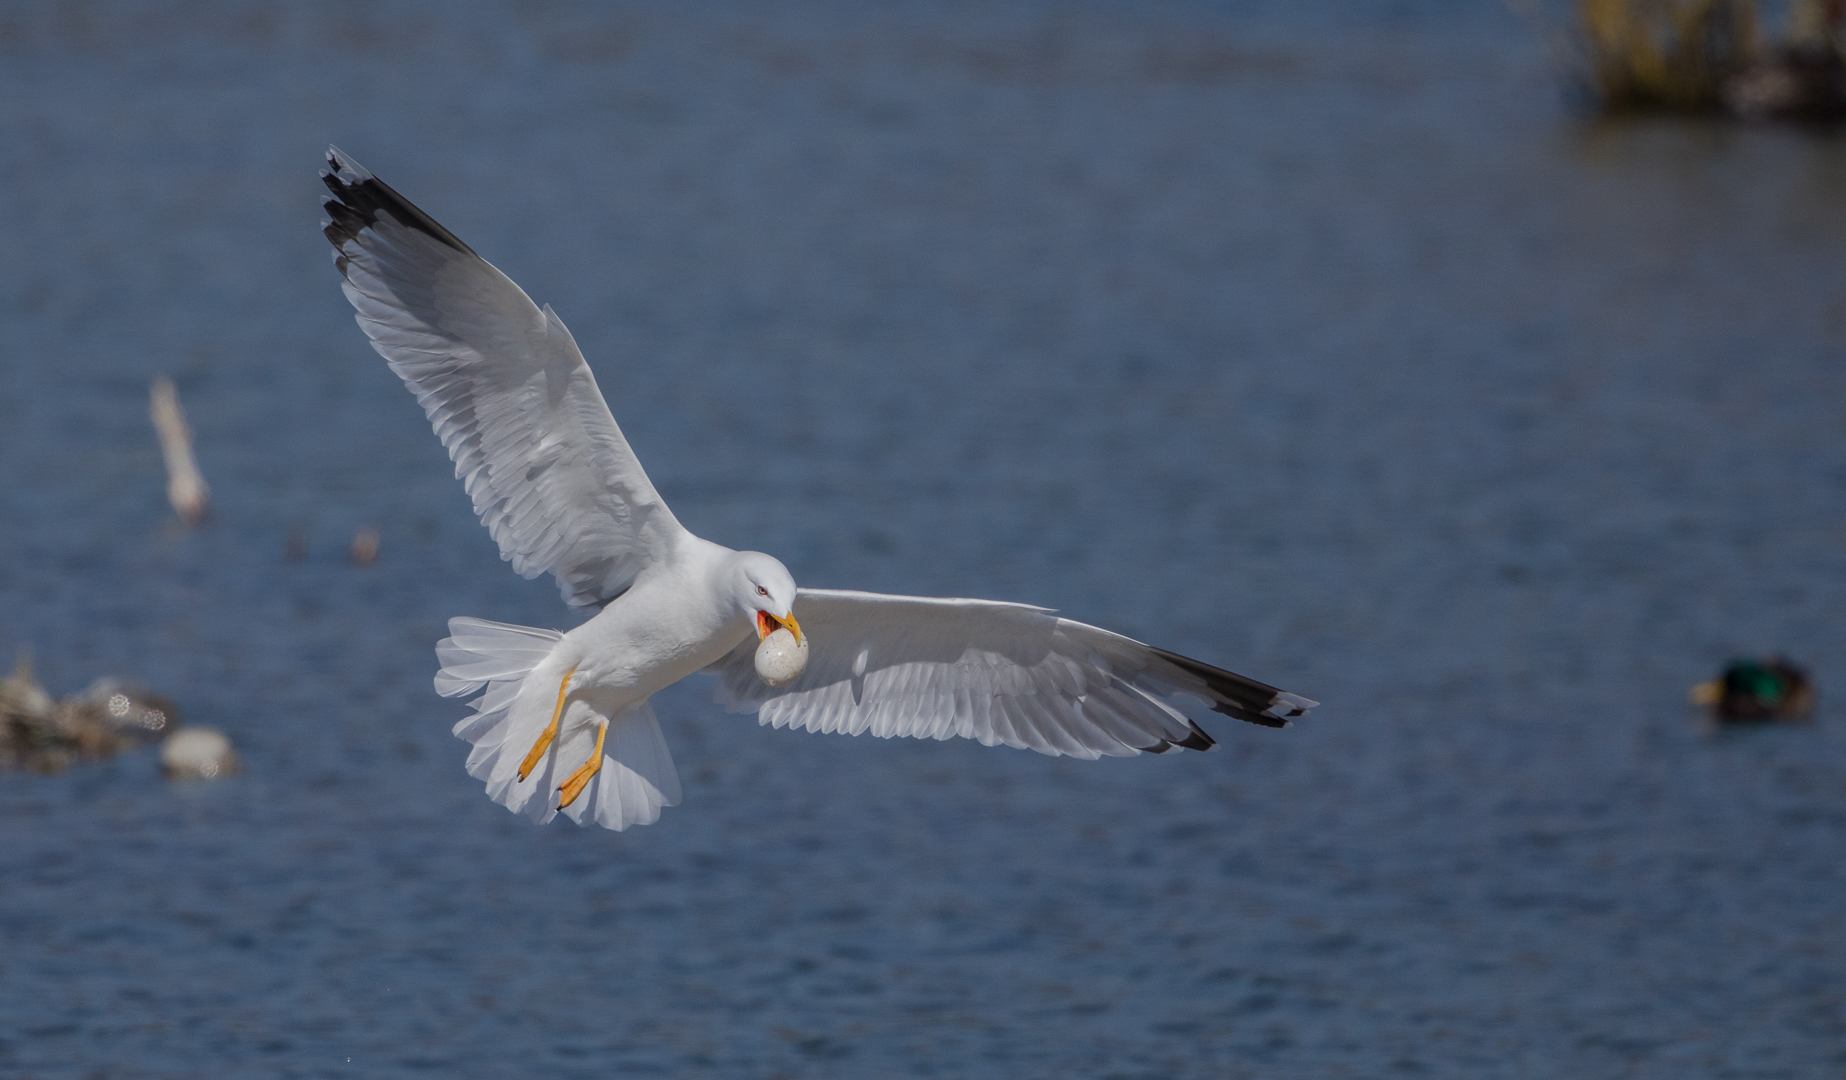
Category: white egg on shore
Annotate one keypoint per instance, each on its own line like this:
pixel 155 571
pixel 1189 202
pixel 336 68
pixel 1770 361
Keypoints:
pixel 781 657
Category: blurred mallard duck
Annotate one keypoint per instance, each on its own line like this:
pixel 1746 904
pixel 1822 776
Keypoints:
pixel 1804 77
pixel 1806 84
pixel 1711 55
pixel 1756 691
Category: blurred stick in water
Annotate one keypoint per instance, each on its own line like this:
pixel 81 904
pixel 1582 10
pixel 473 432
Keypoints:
pixel 1667 54
pixel 186 488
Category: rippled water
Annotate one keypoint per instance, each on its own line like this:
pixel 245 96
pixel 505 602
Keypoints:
pixel 1326 344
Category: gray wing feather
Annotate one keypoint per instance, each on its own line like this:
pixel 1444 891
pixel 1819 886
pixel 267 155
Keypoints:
pixel 995 672
pixel 506 390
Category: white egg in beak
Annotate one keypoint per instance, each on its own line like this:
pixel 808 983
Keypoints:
pixel 783 653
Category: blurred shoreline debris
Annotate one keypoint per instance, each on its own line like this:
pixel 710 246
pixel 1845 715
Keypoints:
pixel 365 546
pixel 44 735
pixel 1755 691
pixel 1711 56
pixel 186 487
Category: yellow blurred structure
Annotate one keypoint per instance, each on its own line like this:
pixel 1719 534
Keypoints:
pixel 1712 55
pixel 1667 54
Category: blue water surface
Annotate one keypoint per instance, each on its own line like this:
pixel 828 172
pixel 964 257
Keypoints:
pixel 1323 342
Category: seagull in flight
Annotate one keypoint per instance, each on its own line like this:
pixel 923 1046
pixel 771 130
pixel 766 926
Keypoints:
pixel 561 723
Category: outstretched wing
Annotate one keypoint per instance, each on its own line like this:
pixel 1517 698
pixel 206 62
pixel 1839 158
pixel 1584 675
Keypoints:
pixel 507 391
pixel 996 672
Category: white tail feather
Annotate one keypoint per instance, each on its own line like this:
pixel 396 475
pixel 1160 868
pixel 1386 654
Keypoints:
pixel 478 652
pixel 637 777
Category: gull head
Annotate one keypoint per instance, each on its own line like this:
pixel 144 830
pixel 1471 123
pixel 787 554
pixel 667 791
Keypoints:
pixel 766 592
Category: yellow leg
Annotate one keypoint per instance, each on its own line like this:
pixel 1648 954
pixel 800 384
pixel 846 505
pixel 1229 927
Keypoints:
pixel 573 785
pixel 550 733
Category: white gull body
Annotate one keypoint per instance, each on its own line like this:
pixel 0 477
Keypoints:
pixel 559 489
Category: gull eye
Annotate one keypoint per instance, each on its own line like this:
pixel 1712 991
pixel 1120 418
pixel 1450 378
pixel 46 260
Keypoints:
pixel 760 591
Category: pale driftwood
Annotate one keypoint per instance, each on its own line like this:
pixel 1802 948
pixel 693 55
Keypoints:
pixel 186 487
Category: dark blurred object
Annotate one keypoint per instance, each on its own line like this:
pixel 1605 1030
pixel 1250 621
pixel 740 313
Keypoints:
pixel 1757 691
pixel 295 548
pixel 1709 56
pixel 1805 87
pixel 44 735
pixel 365 547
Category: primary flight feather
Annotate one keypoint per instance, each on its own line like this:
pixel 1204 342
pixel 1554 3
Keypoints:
pixel 561 723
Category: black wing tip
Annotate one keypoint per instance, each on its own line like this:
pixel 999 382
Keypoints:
pixel 1238 696
pixel 1196 739
pixel 357 197
pixel 1262 719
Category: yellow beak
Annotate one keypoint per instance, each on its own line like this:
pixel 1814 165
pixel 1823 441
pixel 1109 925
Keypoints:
pixel 766 624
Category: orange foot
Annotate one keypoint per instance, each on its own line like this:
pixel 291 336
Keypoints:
pixel 573 784
pixel 550 732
